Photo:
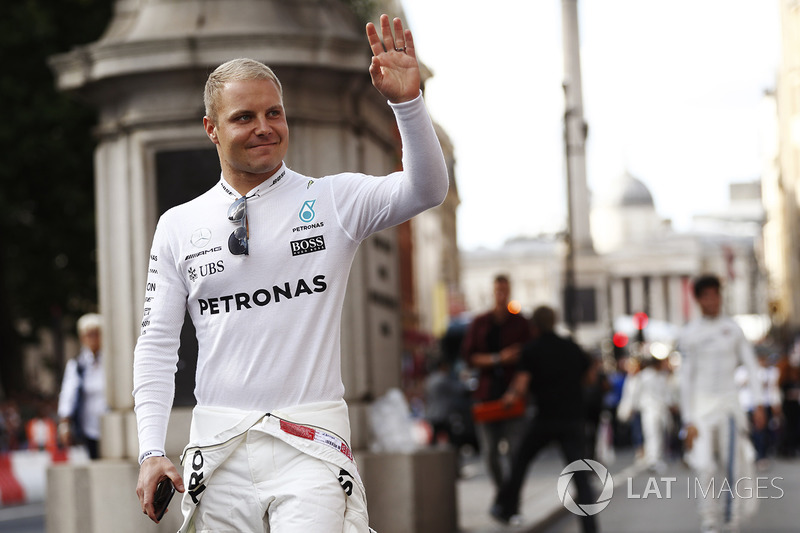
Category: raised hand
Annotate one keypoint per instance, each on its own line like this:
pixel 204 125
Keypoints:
pixel 394 69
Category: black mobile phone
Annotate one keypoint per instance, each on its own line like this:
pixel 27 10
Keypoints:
pixel 164 492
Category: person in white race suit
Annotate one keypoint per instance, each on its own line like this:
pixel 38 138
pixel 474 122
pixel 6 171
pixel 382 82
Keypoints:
pixel 715 427
pixel 261 262
pixel 650 392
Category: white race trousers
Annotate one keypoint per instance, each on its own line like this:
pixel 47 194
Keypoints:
pixel 268 486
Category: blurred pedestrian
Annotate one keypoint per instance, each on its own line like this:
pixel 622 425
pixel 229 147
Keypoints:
pixel 594 399
pixel 492 346
pixel 789 383
pixel 651 395
pixel 82 400
pixel 261 263
pixel 554 371
pixel 13 431
pixel 443 393
pixel 715 426
pixel 611 402
pixel 41 429
pixel 764 439
pixel 628 413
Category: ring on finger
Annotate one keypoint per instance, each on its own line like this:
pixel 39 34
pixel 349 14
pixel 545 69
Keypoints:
pixel 403 49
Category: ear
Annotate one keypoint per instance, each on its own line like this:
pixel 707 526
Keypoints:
pixel 211 129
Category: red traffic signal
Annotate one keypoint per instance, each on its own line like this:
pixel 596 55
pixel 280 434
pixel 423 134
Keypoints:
pixel 620 340
pixel 640 320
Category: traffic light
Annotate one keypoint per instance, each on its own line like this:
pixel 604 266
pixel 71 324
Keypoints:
pixel 620 341
pixel 640 321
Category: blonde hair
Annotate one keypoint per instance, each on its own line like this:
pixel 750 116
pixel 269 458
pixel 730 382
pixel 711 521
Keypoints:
pixel 88 322
pixel 235 70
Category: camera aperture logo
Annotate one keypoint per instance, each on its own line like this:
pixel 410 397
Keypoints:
pixel 585 509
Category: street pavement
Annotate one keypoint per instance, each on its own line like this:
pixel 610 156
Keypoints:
pixel 635 507
pixel 28 518
pixel 639 503
pixel 540 503
pixel 540 506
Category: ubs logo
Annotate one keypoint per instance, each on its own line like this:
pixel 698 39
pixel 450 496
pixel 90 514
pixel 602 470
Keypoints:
pixel 206 270
pixel 307 213
pixel 307 246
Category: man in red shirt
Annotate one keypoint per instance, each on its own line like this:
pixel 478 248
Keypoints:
pixel 491 346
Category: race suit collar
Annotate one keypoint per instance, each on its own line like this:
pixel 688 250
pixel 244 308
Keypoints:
pixel 264 187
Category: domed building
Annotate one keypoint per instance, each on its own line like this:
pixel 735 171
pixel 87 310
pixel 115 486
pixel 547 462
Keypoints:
pixel 648 266
pixel 624 213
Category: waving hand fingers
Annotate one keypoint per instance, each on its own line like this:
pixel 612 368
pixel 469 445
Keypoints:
pixel 394 68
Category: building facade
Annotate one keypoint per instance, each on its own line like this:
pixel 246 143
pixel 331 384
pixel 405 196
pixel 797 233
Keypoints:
pixel 641 264
pixel 782 176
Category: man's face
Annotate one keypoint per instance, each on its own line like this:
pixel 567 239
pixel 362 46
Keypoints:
pixel 250 130
pixel 502 292
pixel 710 301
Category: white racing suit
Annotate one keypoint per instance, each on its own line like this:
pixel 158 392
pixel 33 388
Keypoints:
pixel 216 433
pixel 722 455
pixel 268 324
pixel 648 392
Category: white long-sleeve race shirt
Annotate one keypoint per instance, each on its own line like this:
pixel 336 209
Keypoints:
pixel 268 323
pixel 712 349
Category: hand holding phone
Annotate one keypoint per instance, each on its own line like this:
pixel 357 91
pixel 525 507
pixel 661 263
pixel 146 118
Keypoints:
pixel 164 492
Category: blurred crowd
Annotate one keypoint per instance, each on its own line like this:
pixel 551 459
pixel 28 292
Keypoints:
pixel 28 422
pixel 629 399
pixel 439 386
pixel 645 390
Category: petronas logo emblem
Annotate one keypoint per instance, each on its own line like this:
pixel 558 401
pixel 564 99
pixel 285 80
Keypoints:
pixel 307 213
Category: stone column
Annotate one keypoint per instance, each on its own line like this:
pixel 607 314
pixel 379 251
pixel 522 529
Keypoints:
pixel 575 130
pixel 146 76
pixel 677 300
pixel 637 295
pixel 617 297
pixel 658 305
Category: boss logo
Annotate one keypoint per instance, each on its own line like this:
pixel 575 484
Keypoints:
pixel 306 246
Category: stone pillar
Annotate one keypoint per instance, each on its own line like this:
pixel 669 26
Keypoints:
pixel 657 304
pixel 617 297
pixel 575 131
pixel 676 300
pixel 637 295
pixel 146 76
